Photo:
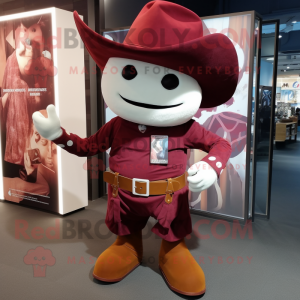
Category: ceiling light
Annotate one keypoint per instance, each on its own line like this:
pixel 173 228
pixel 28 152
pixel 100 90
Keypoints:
pixel 294 22
pixel 288 67
pixel 270 58
pixel 108 37
pixel 280 36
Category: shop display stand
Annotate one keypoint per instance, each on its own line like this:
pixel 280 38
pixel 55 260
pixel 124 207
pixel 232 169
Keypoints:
pixel 285 132
pixel 62 187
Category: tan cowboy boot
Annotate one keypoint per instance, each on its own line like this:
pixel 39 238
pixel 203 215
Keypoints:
pixel 122 257
pixel 180 270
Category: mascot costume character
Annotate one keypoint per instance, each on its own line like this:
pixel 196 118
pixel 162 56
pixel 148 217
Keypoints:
pixel 155 82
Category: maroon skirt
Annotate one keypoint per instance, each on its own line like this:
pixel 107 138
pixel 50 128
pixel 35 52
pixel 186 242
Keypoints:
pixel 129 213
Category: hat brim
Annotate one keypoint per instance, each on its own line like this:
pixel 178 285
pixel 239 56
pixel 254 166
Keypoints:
pixel 211 60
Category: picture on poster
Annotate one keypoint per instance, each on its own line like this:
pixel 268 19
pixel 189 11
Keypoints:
pixel 287 95
pixel 266 98
pixel 29 162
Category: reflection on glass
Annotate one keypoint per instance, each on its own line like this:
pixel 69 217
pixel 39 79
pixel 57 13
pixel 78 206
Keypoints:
pixel 263 123
pixel 256 37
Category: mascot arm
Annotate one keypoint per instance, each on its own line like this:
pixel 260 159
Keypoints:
pixel 204 173
pixel 98 142
pixel 50 129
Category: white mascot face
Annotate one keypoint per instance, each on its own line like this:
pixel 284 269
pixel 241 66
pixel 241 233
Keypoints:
pixel 148 94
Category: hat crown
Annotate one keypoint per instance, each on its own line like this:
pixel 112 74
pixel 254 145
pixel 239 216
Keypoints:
pixel 161 24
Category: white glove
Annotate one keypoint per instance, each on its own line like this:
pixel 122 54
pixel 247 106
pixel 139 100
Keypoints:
pixel 49 128
pixel 201 176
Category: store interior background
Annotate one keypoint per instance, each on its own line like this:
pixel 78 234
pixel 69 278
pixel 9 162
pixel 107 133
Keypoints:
pixel 119 13
pixel 285 205
pixel 287 101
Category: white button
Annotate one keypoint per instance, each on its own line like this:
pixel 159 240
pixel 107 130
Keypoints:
pixel 61 145
pixel 219 165
pixel 212 158
pixel 142 128
pixel 70 143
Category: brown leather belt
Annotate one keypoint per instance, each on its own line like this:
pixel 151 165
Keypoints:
pixel 143 187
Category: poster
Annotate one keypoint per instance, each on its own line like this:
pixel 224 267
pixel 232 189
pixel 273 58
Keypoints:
pixel 28 161
pixel 227 195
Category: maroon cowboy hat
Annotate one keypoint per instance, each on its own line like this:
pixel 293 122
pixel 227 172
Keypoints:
pixel 170 35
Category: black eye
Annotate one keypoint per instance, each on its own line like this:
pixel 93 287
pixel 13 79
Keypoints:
pixel 170 82
pixel 129 72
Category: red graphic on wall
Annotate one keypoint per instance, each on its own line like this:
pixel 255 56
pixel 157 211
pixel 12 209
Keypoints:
pixel 39 258
pixel 94 165
pixel 230 126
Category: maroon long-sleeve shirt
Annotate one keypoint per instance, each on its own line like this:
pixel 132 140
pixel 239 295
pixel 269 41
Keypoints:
pixel 130 148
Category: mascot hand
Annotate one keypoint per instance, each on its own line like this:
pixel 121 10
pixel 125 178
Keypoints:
pixel 49 128
pixel 201 176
